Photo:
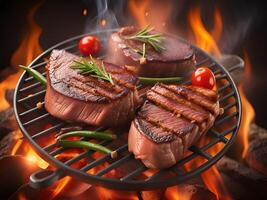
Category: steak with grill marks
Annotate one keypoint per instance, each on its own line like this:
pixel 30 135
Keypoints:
pixel 83 98
pixel 172 119
pixel 176 59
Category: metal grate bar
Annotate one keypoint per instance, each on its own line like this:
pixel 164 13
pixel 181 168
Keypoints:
pixel 224 87
pixel 95 163
pixel 193 155
pixel 226 132
pixel 46 131
pixel 217 71
pixel 225 118
pixel 200 152
pixel 36 119
pixel 30 110
pixel 50 146
pixel 39 64
pixel 233 68
pixel 115 165
pixel 103 159
pixel 177 171
pixel 210 144
pixel 46 61
pixel 157 175
pixel 30 87
pixel 218 135
pixel 226 96
pixel 134 173
pixel 228 106
pixel 70 46
pixel 221 77
pixel 32 96
pixel 82 155
pixel 202 62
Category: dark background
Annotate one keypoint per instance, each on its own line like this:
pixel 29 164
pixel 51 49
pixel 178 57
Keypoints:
pixel 244 29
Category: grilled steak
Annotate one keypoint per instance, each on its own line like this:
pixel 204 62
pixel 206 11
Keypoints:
pixel 83 98
pixel 172 119
pixel 175 60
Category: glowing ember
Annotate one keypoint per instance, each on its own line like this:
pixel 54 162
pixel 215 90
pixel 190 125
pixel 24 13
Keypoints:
pixel 33 157
pixel 103 22
pixel 85 12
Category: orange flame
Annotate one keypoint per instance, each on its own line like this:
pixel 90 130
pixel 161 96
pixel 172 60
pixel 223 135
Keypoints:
pixel 202 38
pixel 28 49
pixel 248 111
pixel 214 181
pixel 208 42
pixel 60 186
pixel 85 12
pixel 144 13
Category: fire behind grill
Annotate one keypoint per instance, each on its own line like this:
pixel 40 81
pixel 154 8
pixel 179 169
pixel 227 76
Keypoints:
pixel 33 123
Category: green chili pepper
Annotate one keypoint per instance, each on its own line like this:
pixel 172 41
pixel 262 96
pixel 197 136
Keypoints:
pixel 149 81
pixel 87 145
pixel 90 134
pixel 39 77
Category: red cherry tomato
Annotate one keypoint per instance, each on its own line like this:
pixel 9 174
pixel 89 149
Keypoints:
pixel 89 45
pixel 203 77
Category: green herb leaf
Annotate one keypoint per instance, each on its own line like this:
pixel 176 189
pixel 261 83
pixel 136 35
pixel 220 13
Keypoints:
pixel 37 75
pixel 92 68
pixel 151 81
pixel 144 35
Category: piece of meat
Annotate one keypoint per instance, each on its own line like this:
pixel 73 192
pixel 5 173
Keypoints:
pixel 82 98
pixel 175 60
pixel 172 119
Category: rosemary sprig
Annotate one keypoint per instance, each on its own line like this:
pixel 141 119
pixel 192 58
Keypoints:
pixel 141 52
pixel 92 68
pixel 144 35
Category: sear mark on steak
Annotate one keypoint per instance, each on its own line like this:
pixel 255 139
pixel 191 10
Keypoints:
pixel 83 98
pixel 172 119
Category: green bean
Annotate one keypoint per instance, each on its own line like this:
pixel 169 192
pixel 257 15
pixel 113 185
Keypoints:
pixel 90 134
pixel 87 145
pixel 39 77
pixel 149 81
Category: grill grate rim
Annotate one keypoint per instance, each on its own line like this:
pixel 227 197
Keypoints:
pixel 126 182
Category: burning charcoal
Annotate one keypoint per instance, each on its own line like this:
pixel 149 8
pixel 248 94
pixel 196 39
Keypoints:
pixel 7 122
pixel 14 172
pixel 257 133
pixel 9 95
pixel 256 156
pixel 6 143
pixel 190 192
pixel 241 181
pixel 152 194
